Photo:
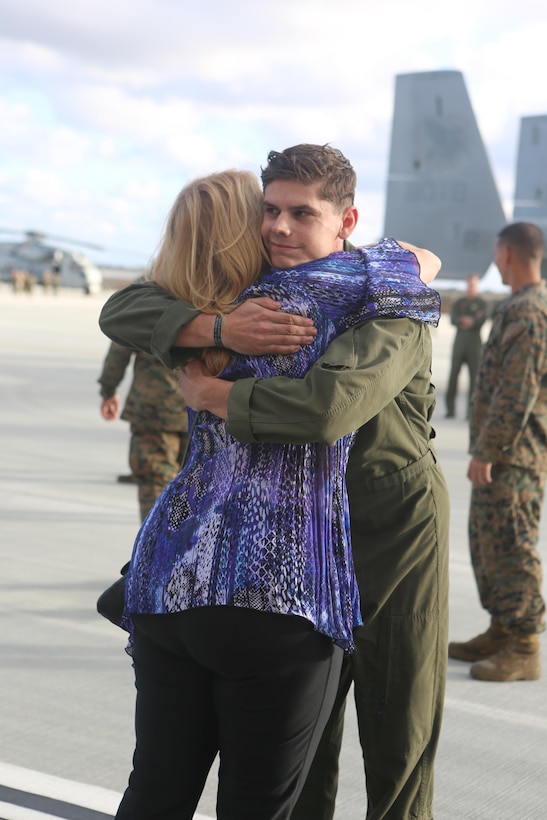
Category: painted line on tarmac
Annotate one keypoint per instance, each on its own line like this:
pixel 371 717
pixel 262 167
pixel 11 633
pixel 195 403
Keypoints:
pixel 10 812
pixel 30 795
pixel 518 718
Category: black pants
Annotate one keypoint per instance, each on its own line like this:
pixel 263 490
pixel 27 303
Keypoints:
pixel 255 686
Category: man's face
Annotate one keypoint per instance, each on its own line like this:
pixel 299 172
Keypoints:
pixel 472 286
pixel 299 226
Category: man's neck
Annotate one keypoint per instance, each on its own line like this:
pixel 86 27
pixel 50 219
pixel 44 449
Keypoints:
pixel 522 279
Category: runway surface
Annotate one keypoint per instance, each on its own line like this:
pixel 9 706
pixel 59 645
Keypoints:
pixel 67 526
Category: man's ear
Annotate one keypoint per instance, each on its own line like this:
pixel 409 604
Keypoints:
pixel 350 218
pixel 510 255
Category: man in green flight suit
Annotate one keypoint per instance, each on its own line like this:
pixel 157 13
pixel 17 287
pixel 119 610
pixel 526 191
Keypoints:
pixel 468 315
pixel 375 378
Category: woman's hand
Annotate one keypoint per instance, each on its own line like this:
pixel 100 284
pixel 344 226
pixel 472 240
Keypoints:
pixel 201 391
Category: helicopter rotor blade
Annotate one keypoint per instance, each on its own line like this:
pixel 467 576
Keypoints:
pixel 22 236
pixel 41 235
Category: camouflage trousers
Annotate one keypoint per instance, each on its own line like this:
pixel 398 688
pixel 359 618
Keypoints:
pixel 503 535
pixel 154 458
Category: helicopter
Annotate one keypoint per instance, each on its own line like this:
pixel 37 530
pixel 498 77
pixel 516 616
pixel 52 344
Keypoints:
pixel 38 253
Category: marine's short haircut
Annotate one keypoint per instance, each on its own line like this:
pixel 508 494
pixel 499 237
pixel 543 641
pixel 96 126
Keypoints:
pixel 309 164
pixel 525 238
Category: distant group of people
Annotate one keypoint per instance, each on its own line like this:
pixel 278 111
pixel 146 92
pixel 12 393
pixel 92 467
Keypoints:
pixel 23 281
pixel 303 545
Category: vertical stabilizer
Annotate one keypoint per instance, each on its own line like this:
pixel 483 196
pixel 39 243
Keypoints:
pixel 531 183
pixel 441 192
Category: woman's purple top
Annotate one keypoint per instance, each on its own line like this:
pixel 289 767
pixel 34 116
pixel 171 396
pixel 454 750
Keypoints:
pixel 266 526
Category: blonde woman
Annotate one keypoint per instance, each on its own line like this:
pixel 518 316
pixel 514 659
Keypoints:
pixel 241 596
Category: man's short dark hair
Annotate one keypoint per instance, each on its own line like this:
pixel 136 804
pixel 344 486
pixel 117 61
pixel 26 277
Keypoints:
pixel 309 164
pixel 525 238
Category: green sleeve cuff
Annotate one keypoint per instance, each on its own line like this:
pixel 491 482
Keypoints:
pixel 166 328
pixel 239 401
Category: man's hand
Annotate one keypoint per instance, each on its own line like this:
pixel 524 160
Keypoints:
pixel 479 472
pixel 201 391
pixel 258 326
pixel 110 408
pixel 255 327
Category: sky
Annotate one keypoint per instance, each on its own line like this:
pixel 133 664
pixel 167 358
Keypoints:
pixel 109 107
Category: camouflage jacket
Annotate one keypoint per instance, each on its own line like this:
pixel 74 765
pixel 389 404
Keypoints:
pixel 508 421
pixel 153 401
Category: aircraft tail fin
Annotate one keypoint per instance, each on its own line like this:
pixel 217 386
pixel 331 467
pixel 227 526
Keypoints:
pixel 441 192
pixel 531 183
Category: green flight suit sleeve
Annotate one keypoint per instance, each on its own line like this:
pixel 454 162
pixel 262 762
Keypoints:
pixel 360 373
pixel 146 317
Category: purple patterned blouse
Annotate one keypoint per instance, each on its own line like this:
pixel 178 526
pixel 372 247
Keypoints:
pixel 266 526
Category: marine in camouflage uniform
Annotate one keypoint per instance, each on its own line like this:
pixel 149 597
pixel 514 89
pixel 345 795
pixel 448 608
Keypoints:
pixel 508 442
pixel 157 414
pixel 468 315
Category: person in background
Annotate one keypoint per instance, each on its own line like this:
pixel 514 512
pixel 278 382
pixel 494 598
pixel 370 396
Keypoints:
pixel 157 416
pixel 375 377
pixel 23 281
pixel 51 280
pixel 468 314
pixel 508 427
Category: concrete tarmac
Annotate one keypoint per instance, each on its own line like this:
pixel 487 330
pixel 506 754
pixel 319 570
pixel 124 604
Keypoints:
pixel 67 526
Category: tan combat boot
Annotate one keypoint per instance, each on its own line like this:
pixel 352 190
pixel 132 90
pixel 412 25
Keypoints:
pixel 519 660
pixel 482 646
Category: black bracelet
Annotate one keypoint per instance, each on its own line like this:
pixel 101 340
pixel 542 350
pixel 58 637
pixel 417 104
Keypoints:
pixel 217 331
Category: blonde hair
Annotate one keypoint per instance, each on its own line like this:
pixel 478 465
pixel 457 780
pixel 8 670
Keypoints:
pixel 211 249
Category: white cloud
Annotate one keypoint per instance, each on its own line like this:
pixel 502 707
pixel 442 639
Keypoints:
pixel 108 107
